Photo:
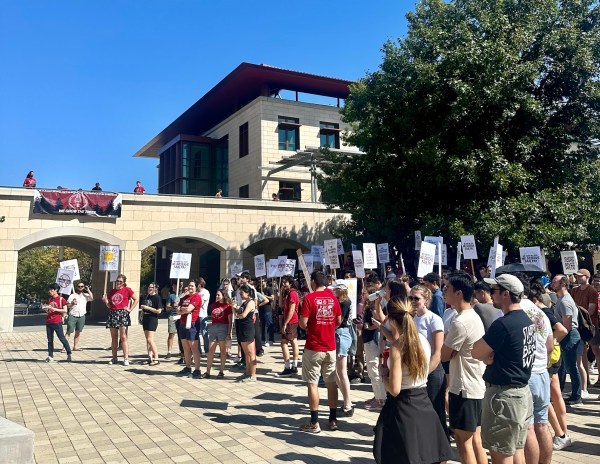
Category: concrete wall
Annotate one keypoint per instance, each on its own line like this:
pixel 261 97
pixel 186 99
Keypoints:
pixel 229 225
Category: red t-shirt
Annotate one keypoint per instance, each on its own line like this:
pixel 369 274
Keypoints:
pixel 220 313
pixel 292 298
pixel 29 182
pixel 54 317
pixel 119 298
pixel 195 300
pixel 139 190
pixel 322 309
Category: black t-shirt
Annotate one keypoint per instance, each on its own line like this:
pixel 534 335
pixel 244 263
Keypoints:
pixel 268 291
pixel 345 307
pixel 153 301
pixel 512 338
pixel 368 335
pixel 551 316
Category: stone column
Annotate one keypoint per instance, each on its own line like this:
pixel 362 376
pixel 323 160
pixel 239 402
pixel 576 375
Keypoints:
pixel 8 284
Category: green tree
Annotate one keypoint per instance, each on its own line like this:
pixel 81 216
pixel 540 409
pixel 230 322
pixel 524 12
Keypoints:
pixel 479 121
pixel 147 268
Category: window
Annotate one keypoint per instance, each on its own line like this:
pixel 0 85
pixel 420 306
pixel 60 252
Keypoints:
pixel 329 134
pixel 290 191
pixel 244 150
pixel 289 133
pixel 244 191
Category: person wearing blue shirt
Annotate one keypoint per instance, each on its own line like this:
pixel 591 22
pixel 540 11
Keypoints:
pixel 432 282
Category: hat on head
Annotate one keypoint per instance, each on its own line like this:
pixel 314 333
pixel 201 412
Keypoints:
pixel 584 272
pixel 509 282
pixel 340 285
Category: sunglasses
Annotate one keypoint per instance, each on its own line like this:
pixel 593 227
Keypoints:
pixel 120 281
pixel 414 298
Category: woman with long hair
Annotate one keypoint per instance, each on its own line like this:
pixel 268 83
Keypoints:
pixel 343 340
pixel 431 326
pixel 408 429
pixel 120 301
pixel 245 333
pixel 189 308
pixel 151 307
pixel 29 181
pixel 219 332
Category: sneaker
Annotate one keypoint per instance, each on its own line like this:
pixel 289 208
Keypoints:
pixel 347 412
pixel 355 381
pixel 221 375
pixel 559 443
pixel 168 356
pixel 248 379
pixel 286 372
pixel 240 365
pixel 49 359
pixel 69 359
pixel 112 361
pixel 333 425
pixel 241 377
pixel 267 344
pixel 585 395
pixel 294 370
pixel 260 354
pixel 237 359
pixel 310 428
pixel 126 362
pixel 185 371
pixel 206 375
pixel 574 403
pixel 181 361
pixel 196 374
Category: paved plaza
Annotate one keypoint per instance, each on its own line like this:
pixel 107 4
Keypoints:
pixel 88 411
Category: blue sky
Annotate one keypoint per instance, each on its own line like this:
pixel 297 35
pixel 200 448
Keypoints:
pixel 85 84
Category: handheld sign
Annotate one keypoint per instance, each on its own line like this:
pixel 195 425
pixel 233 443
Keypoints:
pixel 417 240
pixel 301 260
pixel 497 257
pixel 352 286
pixel 468 246
pixel 281 263
pixel 340 247
pixel 309 262
pixel 109 258
pixel 426 258
pixel 359 267
pixel 533 255
pixel 331 248
pixel 369 256
pixel 235 268
pixel 315 250
pixel 458 253
pixel 181 264
pixel 383 253
pixel 569 262
pixel 290 267
pixel 64 278
pixel 259 266
pixel 73 265
pixel 272 268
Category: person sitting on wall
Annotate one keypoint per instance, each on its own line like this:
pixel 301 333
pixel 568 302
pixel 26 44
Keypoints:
pixel 139 190
pixel 29 181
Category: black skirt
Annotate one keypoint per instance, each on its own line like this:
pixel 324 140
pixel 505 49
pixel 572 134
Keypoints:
pixel 245 329
pixel 409 431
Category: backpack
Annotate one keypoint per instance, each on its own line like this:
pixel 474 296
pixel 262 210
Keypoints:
pixel 585 326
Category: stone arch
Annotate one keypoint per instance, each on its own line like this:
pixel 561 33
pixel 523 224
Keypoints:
pixel 253 242
pixel 207 237
pixel 70 231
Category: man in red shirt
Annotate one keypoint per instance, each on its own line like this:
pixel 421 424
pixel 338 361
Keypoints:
pixel 139 190
pixel 290 301
pixel 320 316
pixel 56 307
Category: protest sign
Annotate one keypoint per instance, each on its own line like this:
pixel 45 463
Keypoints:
pixel 310 264
pixel 290 267
pixel 260 268
pixel 426 258
pixel 532 255
pixel 181 263
pixel 331 249
pixel 109 258
pixel 317 252
pixel 73 265
pixel 417 240
pixel 359 265
pixel 272 268
pixel 469 249
pixel 569 262
pixel 458 253
pixel 235 268
pixel 304 267
pixel 352 286
pixel 369 256
pixel 497 257
pixel 383 253
pixel 113 275
pixel 340 247
pixel 64 278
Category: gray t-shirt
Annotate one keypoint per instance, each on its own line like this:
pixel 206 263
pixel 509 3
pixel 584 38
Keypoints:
pixel 487 312
pixel 565 306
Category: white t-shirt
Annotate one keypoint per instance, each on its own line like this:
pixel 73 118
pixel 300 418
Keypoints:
pixel 543 330
pixel 79 309
pixel 466 372
pixel 428 324
pixel 205 295
pixel 448 317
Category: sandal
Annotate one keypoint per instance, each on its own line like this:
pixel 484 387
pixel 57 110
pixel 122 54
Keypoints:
pixel 154 363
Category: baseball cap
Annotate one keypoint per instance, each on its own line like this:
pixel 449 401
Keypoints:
pixel 507 281
pixel 584 272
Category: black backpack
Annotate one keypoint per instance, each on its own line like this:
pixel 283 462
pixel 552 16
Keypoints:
pixel 586 327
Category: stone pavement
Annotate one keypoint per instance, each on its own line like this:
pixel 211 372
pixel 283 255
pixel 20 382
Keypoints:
pixel 90 412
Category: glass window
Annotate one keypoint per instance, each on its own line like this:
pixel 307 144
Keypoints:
pixel 290 191
pixel 289 133
pixel 244 148
pixel 329 135
pixel 244 191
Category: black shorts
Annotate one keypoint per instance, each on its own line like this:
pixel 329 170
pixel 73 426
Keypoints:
pixel 465 413
pixel 150 323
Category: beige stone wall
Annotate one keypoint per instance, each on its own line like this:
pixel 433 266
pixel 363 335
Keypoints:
pixel 229 225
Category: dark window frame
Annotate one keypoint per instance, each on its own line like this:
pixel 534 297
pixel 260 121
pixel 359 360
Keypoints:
pixel 288 125
pixel 328 130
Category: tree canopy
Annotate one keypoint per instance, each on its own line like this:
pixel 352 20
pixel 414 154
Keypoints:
pixel 480 120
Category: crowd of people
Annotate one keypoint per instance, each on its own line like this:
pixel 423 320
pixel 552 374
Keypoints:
pixel 30 182
pixel 482 362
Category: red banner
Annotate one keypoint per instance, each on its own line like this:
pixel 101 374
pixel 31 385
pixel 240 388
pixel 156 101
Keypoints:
pixel 77 202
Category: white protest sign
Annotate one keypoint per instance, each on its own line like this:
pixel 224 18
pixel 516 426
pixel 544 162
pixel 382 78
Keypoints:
pixel 64 278
pixel 370 255
pixel 272 268
pixel 359 265
pixel 260 268
pixel 331 249
pixel 402 263
pixel 281 262
pixel 497 257
pixel 469 248
pixel 352 286
pixel 309 263
pixel 458 253
pixel 532 255
pixel 426 258
pixel 383 253
pixel 290 267
pixel 316 250
pixel 340 247
pixel 181 263
pixel 235 268
pixel 73 265
pixel 569 262
pixel 435 241
pixel 109 258
pixel 417 240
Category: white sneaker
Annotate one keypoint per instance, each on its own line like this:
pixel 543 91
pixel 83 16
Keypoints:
pixel 266 344
pixel 559 443
pixel 585 395
pixel 49 359
pixel 126 362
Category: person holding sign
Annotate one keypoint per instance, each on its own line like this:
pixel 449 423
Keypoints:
pixel 77 304
pixel 189 309
pixel 56 307
pixel 120 301
pixel 151 308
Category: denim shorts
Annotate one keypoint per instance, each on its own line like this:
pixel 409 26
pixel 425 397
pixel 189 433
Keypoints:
pixel 190 334
pixel 539 384
pixel 343 341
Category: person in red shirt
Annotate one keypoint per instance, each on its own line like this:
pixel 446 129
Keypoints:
pixel 120 301
pixel 289 299
pixel 320 316
pixel 220 331
pixel 29 181
pixel 56 307
pixel 189 309
pixel 138 188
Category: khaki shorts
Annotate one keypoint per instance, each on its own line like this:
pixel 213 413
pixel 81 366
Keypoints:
pixel 317 363
pixel 505 417
pixel 75 324
pixel 172 326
